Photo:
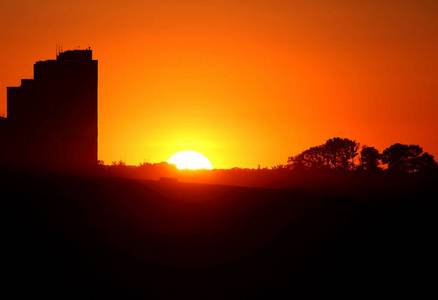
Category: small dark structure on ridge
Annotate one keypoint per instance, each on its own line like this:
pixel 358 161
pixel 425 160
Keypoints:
pixel 52 119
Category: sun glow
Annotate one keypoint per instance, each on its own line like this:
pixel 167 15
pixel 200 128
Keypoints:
pixel 190 160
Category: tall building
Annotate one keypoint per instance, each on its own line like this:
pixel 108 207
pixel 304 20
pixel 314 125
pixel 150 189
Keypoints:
pixel 52 119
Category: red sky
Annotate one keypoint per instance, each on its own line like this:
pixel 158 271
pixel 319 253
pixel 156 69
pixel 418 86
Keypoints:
pixel 242 82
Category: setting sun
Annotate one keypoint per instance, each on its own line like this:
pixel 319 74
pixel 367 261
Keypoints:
pixel 190 160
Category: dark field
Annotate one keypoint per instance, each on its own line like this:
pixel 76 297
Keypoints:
pixel 111 238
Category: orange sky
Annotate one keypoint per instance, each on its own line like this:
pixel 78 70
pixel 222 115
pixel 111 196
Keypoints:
pixel 243 82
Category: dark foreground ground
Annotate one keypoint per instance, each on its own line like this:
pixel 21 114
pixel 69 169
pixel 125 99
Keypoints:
pixel 70 237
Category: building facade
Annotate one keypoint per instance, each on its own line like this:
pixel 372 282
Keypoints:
pixel 52 119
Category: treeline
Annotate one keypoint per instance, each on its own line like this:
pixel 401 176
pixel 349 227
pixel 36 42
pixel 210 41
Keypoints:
pixel 337 162
pixel 343 154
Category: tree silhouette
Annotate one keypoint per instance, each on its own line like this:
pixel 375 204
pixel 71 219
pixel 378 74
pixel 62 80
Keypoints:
pixel 341 153
pixel 407 158
pixel 369 158
pixel 427 161
pixel 336 153
pixel 312 158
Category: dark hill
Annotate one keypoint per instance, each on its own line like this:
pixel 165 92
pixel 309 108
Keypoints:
pixel 90 237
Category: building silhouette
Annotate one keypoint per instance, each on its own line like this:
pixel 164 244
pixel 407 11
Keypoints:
pixel 52 119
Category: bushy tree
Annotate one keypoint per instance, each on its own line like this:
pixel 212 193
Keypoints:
pixel 369 158
pixel 427 161
pixel 341 153
pixel 336 153
pixel 407 158
pixel 309 159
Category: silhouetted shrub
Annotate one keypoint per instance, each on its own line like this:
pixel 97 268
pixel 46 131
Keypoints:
pixel 120 163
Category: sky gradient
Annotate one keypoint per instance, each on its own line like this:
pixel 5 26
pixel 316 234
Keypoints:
pixel 242 82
